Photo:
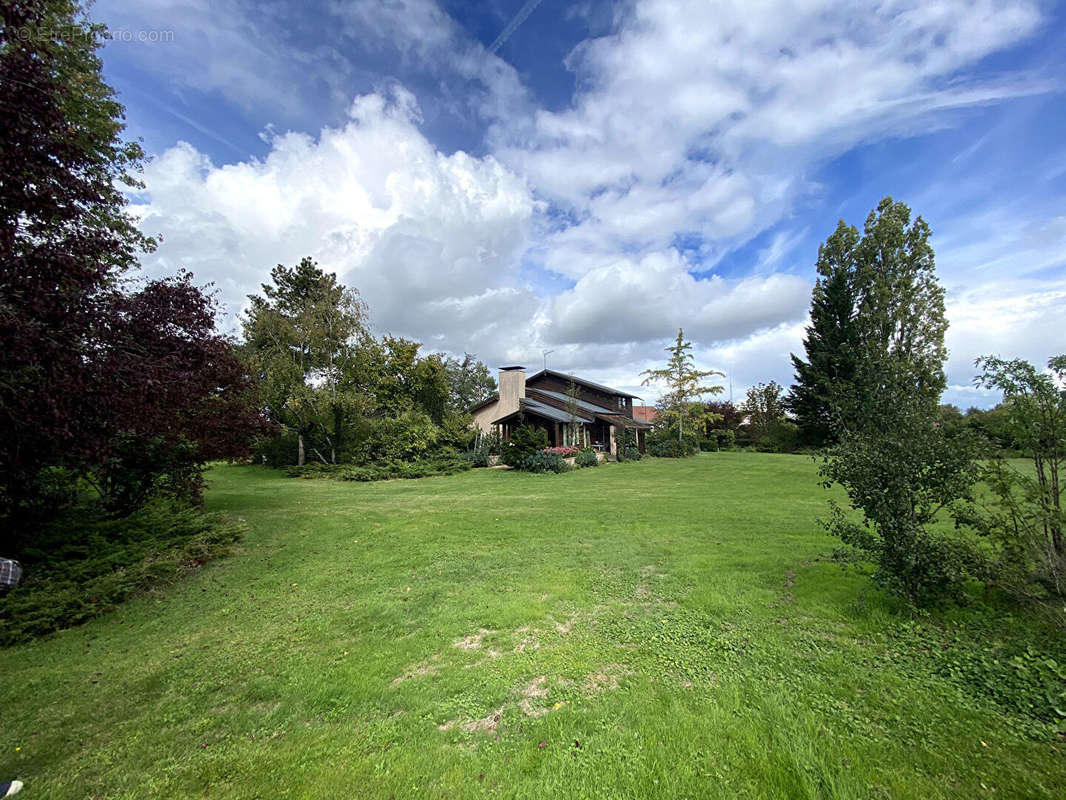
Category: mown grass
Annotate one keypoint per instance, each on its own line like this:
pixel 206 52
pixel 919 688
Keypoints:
pixel 658 629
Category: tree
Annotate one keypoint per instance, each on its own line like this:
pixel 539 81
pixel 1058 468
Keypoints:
pixel 1027 518
pixel 764 406
pixel 898 467
pixel 469 382
pixel 832 340
pixel 303 337
pixel 574 431
pixel 683 381
pixel 87 362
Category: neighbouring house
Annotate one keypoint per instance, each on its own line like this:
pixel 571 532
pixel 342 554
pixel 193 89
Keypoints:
pixel 593 415
pixel 645 413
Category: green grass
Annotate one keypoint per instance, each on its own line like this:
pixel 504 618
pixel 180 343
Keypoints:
pixel 658 629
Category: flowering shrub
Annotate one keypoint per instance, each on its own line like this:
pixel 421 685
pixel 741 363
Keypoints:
pixel 565 452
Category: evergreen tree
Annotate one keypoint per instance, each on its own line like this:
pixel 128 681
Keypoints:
pixel 831 340
pixel 684 383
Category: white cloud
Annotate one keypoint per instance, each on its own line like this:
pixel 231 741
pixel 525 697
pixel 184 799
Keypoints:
pixel 695 120
pixel 649 299
pixel 432 241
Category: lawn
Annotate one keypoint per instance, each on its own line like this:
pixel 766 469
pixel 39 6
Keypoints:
pixel 658 629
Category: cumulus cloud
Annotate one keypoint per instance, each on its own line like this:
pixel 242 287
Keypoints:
pixel 634 301
pixel 431 240
pixel 690 121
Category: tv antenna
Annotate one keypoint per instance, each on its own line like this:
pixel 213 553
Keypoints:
pixel 546 353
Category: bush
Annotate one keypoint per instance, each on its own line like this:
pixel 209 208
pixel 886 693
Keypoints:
pixel 408 437
pixel 84 565
pixel 626 446
pixel 587 458
pixel 444 464
pixel 542 461
pixel 525 441
pixel 901 477
pixel 485 445
pixel 779 436
pixel 663 443
pixel 142 467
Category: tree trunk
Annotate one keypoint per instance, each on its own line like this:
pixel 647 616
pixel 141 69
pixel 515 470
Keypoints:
pixel 300 450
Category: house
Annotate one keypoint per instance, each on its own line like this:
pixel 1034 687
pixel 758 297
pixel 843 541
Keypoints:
pixel 542 400
pixel 645 413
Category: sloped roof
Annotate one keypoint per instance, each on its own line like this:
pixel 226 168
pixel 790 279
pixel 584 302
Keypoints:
pixel 584 405
pixel 597 386
pixel 541 410
pixel 623 422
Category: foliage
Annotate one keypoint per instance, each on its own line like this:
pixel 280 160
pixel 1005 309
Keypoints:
pixel 89 357
pixel 408 437
pixel 719 439
pixel 897 466
pixel 1025 517
pixel 469 382
pixel 663 443
pixel 441 464
pixel 780 436
pixel 83 566
pixel 731 416
pixel 684 384
pixel 305 338
pixel 566 451
pixel 525 441
pixel 542 461
pixel 587 458
pixel 900 479
pixel 626 445
pixel 831 344
pixel 141 467
pixel 765 408
pixel 485 446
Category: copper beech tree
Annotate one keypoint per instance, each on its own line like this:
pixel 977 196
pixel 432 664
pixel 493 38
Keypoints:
pixel 88 357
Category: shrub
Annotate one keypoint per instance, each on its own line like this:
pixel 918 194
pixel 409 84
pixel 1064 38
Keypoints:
pixel 722 439
pixel 664 443
pixel 525 441
pixel 900 477
pixel 542 461
pixel 407 437
pixel 626 446
pixel 84 565
pixel 779 436
pixel 443 464
pixel 485 445
pixel 587 458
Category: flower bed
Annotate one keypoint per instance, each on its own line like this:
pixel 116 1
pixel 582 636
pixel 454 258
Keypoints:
pixel 565 452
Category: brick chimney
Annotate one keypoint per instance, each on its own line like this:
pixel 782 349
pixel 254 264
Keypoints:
pixel 512 389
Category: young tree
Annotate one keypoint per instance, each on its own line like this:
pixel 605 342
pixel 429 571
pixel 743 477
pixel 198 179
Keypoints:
pixel 764 406
pixel 683 381
pixel 574 432
pixel 1027 517
pixel 832 340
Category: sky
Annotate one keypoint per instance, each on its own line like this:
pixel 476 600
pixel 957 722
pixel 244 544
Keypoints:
pixel 607 172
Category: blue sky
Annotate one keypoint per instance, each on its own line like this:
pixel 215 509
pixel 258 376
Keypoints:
pixel 612 171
